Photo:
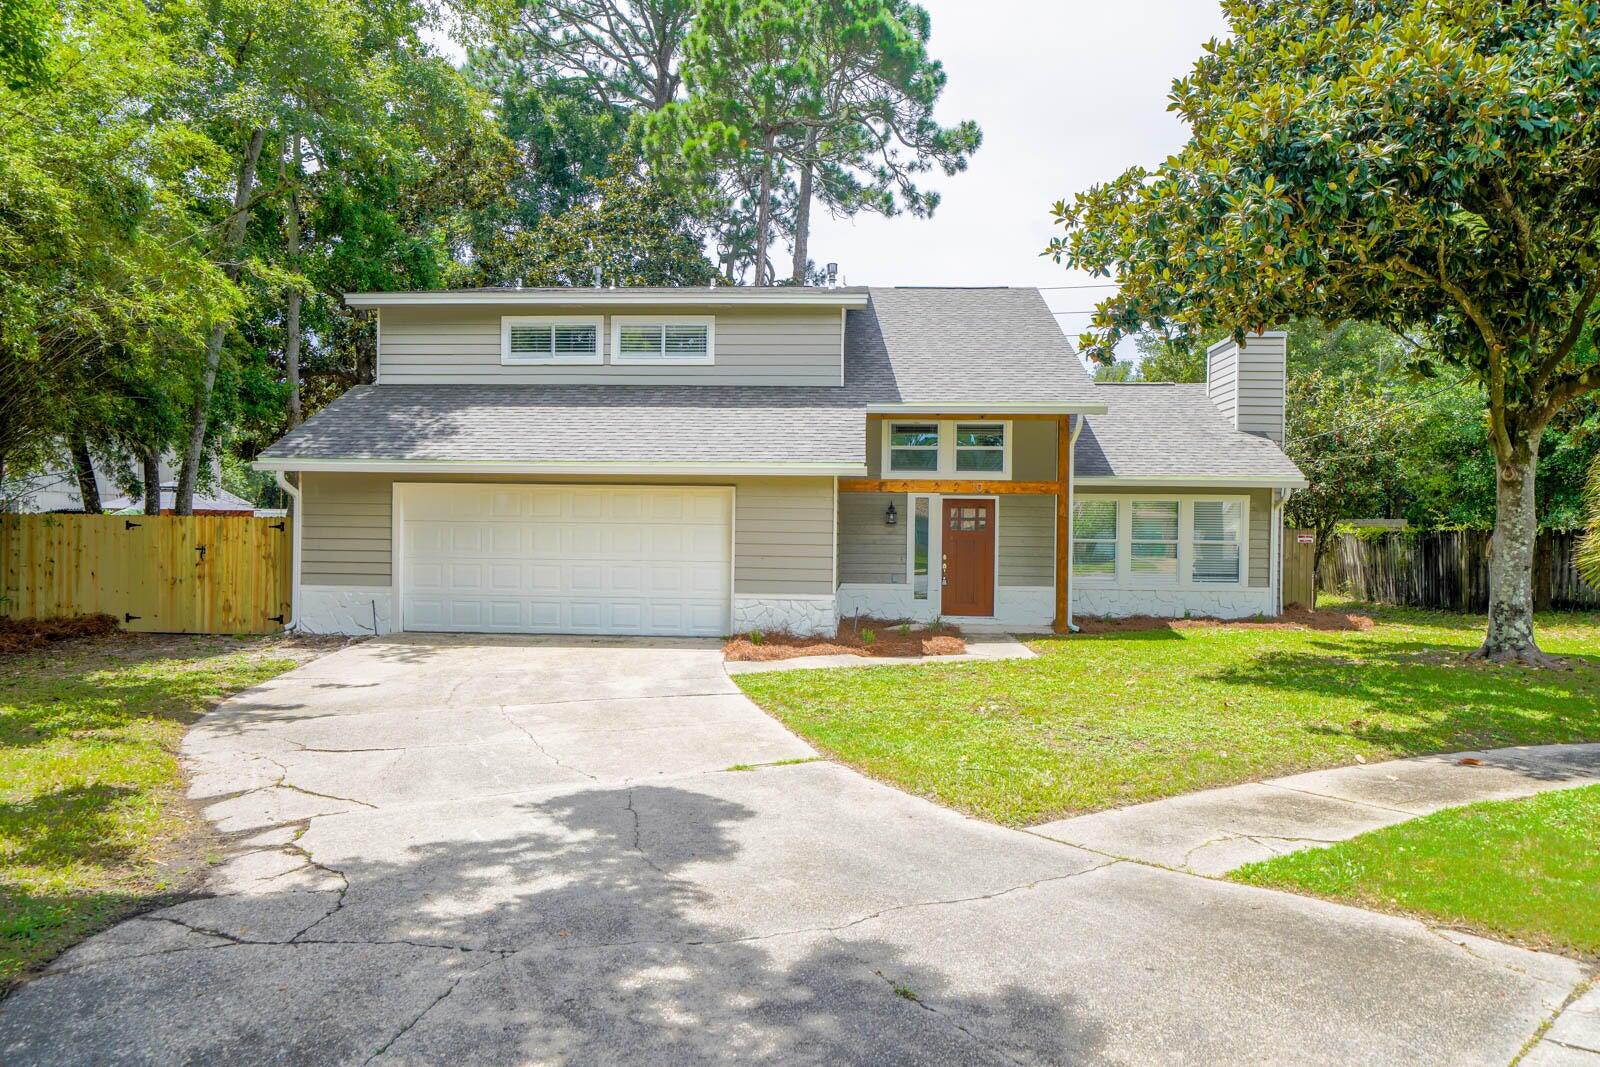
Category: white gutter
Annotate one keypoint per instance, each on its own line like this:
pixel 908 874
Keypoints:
pixel 298 514
pixel 987 407
pixel 721 296
pixel 517 467
pixel 1191 481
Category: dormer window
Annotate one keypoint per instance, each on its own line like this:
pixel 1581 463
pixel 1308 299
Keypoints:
pixel 672 340
pixel 545 340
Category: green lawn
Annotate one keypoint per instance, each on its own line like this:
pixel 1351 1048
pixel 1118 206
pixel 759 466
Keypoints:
pixel 92 819
pixel 1102 721
pixel 1528 870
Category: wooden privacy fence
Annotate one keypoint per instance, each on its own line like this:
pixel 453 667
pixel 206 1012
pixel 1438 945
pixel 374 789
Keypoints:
pixel 195 574
pixel 1448 570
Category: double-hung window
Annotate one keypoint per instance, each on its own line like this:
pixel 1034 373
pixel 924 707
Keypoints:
pixel 1216 538
pixel 539 339
pixel 914 448
pixel 1153 554
pixel 1094 539
pixel 663 340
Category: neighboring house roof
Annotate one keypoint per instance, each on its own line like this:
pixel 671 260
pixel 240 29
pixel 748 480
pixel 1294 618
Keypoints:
pixel 215 500
pixel 1174 434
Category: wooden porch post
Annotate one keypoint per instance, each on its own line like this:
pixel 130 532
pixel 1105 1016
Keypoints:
pixel 1063 520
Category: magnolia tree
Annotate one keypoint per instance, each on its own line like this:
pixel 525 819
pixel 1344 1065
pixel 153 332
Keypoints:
pixel 1433 167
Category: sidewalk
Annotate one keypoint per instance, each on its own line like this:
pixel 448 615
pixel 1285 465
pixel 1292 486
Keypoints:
pixel 1215 831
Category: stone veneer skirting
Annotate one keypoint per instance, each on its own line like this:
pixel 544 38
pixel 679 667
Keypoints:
pixel 357 610
pixel 1089 601
pixel 1024 606
pixel 803 616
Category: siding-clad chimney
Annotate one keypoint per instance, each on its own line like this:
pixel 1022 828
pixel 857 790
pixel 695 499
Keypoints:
pixel 1246 382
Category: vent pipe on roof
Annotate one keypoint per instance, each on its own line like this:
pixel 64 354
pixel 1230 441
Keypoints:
pixel 833 275
pixel 597 277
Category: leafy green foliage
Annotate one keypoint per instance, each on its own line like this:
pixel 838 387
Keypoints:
pixel 26 27
pixel 1427 167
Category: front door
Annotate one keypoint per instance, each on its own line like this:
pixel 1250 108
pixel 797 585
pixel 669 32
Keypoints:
pixel 968 557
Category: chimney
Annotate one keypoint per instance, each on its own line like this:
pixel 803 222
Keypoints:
pixel 1246 382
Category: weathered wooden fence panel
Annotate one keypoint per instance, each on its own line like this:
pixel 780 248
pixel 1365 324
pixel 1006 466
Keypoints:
pixel 1299 573
pixel 1448 570
pixel 156 574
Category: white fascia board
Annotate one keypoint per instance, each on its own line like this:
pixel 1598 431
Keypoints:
pixel 775 297
pixel 987 407
pixel 511 467
pixel 1215 481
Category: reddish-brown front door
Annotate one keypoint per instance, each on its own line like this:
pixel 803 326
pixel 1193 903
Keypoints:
pixel 968 557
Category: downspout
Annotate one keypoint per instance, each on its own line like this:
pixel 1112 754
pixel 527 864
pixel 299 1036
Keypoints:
pixel 1072 491
pixel 296 513
pixel 1280 497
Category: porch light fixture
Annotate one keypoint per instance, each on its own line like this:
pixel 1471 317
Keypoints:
pixel 891 517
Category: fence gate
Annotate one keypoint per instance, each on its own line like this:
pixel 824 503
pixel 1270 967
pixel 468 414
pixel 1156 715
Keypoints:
pixel 196 574
pixel 1299 577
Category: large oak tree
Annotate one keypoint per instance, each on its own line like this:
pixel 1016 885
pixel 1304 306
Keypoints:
pixel 1430 166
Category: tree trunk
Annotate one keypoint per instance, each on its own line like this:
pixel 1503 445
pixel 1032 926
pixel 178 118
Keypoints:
pixel 291 314
pixel 232 241
pixel 763 217
pixel 83 467
pixel 1516 528
pixel 802 226
pixel 152 480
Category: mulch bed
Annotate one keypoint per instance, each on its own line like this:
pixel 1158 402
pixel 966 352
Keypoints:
pixel 30 635
pixel 1291 619
pixel 888 638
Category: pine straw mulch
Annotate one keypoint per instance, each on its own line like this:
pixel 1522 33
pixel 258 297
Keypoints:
pixel 30 635
pixel 1291 619
pixel 889 638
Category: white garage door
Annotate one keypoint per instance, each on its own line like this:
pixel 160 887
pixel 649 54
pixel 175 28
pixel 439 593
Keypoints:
pixel 566 559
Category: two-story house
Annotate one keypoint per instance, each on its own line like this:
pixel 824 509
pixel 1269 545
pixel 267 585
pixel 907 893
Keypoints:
pixel 705 461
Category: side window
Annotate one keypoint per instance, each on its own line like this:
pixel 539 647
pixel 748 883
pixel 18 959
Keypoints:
pixel 1154 547
pixel 664 341
pixel 980 448
pixel 528 339
pixel 1094 539
pixel 1218 533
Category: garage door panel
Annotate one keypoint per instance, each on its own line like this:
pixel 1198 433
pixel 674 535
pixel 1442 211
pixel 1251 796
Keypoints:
pixel 562 559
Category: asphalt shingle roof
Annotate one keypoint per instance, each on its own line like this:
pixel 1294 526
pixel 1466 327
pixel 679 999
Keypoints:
pixel 1172 431
pixel 908 346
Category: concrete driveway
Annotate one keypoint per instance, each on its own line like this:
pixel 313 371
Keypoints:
pixel 532 851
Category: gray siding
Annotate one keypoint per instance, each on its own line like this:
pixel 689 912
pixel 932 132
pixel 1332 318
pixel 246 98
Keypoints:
pixel 1027 541
pixel 1247 384
pixel 1033 449
pixel 870 551
pixel 783 528
pixel 461 345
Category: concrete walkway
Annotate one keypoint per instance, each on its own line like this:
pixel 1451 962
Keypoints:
pixel 1220 829
pixel 500 851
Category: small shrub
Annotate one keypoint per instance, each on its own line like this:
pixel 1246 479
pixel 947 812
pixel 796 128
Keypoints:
pixel 905 629
pixel 756 637
pixel 868 636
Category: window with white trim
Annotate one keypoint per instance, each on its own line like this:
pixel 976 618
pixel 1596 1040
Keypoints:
pixel 948 448
pixel 1094 539
pixel 980 448
pixel 673 339
pixel 1217 535
pixel 914 448
pixel 1153 545
pixel 537 339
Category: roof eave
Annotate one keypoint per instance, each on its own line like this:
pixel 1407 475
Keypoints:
pixel 993 407
pixel 707 468
pixel 720 296
pixel 1200 481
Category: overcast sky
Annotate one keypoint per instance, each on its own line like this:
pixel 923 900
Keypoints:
pixel 1068 94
